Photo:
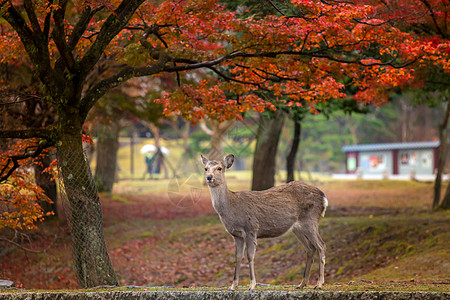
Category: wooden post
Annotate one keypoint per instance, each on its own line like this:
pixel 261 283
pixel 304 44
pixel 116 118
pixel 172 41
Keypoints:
pixel 132 153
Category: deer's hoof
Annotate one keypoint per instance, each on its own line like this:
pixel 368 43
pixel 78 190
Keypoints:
pixel 318 287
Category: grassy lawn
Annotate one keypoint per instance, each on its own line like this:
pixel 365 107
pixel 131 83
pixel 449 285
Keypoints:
pixel 380 235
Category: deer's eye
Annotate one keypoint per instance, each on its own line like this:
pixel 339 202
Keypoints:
pixel 206 169
pixel 220 169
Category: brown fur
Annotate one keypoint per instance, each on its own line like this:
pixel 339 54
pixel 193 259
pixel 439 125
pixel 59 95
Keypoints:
pixel 249 215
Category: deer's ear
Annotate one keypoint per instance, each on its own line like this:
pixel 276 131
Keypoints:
pixel 204 160
pixel 228 160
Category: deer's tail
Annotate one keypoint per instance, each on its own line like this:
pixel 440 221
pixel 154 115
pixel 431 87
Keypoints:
pixel 325 204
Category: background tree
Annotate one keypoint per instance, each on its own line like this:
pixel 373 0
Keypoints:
pixel 298 114
pixel 301 56
pixel 267 137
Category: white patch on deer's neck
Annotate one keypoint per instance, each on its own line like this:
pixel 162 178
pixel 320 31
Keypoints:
pixel 219 198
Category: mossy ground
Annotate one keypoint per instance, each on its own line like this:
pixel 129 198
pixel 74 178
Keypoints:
pixel 335 287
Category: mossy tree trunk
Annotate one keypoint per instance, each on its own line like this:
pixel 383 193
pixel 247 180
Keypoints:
pixel 91 260
pixel 264 159
pixel 107 147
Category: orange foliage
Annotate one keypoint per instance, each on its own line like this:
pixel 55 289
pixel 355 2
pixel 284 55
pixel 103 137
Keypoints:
pixel 307 57
pixel 19 195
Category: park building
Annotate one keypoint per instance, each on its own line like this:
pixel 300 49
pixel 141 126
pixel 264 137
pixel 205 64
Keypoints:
pixel 417 160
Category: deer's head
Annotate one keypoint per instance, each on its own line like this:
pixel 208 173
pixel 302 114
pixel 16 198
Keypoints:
pixel 215 170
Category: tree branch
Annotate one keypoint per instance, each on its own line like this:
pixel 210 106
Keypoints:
pixel 20 246
pixel 14 159
pixel 112 26
pixel 276 8
pixel 30 250
pixel 28 134
pixel 228 78
pixel 35 46
pixel 81 26
pixel 29 8
pixel 47 20
pixel 15 19
pixel 433 17
pixel 98 90
pixel 205 128
pixel 59 36
pixel 240 54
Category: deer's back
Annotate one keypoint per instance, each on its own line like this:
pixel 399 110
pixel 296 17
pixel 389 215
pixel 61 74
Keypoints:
pixel 272 212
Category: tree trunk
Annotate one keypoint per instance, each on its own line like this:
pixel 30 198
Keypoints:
pixel 442 157
pixel 48 184
pixel 446 201
pixel 217 130
pixel 290 159
pixel 91 260
pixel 107 146
pixel 264 159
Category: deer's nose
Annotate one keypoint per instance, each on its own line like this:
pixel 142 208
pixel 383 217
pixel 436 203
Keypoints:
pixel 209 177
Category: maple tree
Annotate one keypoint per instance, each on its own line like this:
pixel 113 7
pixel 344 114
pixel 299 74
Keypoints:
pixel 21 201
pixel 19 196
pixel 297 57
pixel 429 20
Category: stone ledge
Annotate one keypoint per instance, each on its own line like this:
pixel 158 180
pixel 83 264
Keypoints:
pixel 200 295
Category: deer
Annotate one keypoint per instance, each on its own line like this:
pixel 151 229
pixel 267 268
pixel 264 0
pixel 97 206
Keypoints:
pixel 249 215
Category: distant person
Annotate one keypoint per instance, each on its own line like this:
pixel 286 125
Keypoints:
pixel 149 159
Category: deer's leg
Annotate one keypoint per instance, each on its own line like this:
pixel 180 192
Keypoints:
pixel 239 245
pixel 251 250
pixel 311 232
pixel 321 249
pixel 310 251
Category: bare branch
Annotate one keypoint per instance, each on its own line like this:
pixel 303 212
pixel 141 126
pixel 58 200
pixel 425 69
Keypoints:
pixel 50 245
pixel 20 246
pixel 276 8
pixel 30 97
